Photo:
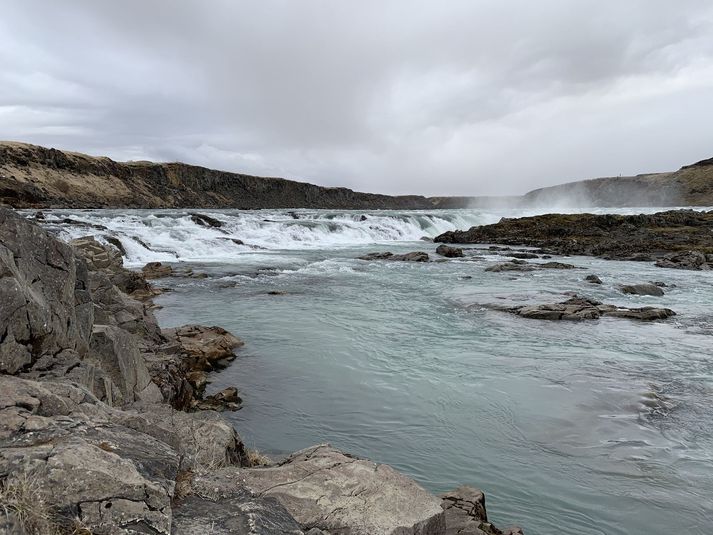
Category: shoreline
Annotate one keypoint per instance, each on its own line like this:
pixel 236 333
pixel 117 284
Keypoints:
pixel 105 388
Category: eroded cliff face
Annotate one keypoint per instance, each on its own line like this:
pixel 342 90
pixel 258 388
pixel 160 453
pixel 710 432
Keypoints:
pixel 39 177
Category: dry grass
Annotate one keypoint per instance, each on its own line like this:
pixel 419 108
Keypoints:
pixel 257 459
pixel 21 497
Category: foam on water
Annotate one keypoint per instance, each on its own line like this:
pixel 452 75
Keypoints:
pixel 173 236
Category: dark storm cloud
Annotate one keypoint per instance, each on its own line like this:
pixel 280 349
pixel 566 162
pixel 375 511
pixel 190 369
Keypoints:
pixel 457 97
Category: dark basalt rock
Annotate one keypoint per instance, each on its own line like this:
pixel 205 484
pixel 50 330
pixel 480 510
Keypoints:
pixel 206 220
pixel 449 252
pixel 681 239
pixel 642 289
pixel 580 308
pixel 416 256
pixel 521 265
pixel 593 279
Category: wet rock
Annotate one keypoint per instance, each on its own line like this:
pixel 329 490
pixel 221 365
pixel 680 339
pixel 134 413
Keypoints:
pixel 226 399
pixel 156 270
pixel 449 252
pixel 522 265
pixel 693 260
pixel 206 345
pixel 416 256
pixel 510 266
pixel 593 279
pixel 523 255
pixel 642 289
pixel 466 515
pixel 324 488
pixel 580 308
pixel 206 220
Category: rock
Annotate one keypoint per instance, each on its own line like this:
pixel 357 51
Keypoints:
pixel 116 351
pixel 204 344
pixel 621 237
pixel 156 270
pixel 579 308
pixel 417 256
pixel 108 475
pixel 206 221
pixel 235 513
pixel 113 307
pixel 593 279
pixel 46 305
pixel 555 265
pixel 510 266
pixel 98 256
pixel 523 255
pixel 693 260
pixel 326 489
pixel 227 398
pixel 466 514
pixel 449 252
pixel 521 265
pixel 642 289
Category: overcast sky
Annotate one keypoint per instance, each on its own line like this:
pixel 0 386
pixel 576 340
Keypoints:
pixel 460 97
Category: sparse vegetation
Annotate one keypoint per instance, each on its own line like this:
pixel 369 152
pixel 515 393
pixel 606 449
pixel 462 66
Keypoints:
pixel 255 458
pixel 22 499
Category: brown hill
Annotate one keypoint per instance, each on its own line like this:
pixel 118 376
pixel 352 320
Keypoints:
pixel 39 177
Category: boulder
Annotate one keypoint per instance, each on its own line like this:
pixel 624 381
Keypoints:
pixel 522 265
pixel 642 289
pixel 416 256
pixel 46 306
pixel 116 351
pixel 206 345
pixel 206 221
pixel 156 270
pixel 593 279
pixel 324 488
pixel 449 252
pixel 580 308
pixel 97 256
pixel 693 260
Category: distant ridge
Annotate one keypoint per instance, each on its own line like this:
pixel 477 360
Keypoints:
pixel 38 177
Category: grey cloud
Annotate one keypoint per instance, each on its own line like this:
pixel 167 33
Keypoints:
pixel 396 96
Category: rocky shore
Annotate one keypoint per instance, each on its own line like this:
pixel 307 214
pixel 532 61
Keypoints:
pixel 680 239
pixel 105 427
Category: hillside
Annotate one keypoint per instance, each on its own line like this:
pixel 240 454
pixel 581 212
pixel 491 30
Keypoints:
pixel 692 185
pixel 39 177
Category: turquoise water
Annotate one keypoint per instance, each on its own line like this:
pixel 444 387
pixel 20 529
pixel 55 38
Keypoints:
pixel 601 427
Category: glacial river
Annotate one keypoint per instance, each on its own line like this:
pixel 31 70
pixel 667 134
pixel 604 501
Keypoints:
pixel 591 428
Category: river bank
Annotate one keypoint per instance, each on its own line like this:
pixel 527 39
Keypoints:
pixel 101 429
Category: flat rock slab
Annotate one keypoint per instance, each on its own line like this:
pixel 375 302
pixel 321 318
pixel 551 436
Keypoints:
pixel 579 308
pixel 241 514
pixel 326 489
pixel 416 256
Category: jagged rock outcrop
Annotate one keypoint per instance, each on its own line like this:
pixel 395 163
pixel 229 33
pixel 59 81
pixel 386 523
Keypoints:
pixel 46 304
pixel 679 238
pixel 32 176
